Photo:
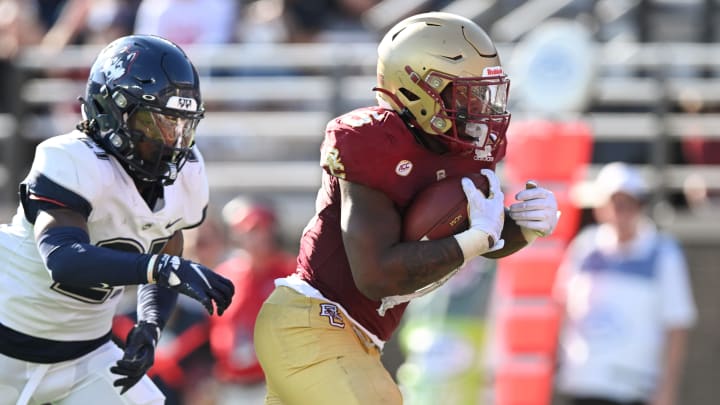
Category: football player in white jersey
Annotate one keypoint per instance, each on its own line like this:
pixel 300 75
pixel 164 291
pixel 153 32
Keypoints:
pixel 104 207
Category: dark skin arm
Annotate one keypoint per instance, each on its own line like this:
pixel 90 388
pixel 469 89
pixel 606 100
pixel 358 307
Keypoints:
pixel 513 237
pixel 175 245
pixel 381 264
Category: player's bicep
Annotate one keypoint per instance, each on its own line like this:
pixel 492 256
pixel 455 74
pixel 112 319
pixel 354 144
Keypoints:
pixel 370 226
pixel 58 217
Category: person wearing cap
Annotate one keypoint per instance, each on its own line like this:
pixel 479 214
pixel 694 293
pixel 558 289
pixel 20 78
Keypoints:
pixel 257 261
pixel 628 301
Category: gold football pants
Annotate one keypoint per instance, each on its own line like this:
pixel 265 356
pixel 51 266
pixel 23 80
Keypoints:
pixel 312 354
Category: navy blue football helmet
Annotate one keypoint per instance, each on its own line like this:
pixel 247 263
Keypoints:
pixel 143 104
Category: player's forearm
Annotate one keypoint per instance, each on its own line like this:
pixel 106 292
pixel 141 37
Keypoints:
pixel 72 260
pixel 410 266
pixel 155 304
pixel 674 356
pixel 430 262
pixel 511 234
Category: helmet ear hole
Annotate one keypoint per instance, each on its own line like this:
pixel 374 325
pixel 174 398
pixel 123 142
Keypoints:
pixel 409 94
pixel 105 122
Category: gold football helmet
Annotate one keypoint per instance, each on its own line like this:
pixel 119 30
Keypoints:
pixel 443 74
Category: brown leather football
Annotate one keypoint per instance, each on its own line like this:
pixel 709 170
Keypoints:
pixel 440 210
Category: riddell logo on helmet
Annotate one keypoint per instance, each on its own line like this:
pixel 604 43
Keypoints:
pixel 493 71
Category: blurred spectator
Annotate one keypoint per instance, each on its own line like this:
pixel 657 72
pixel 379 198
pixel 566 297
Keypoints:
pixel 188 21
pixel 262 22
pixel 303 21
pixel 628 301
pixel 191 22
pixel 698 148
pixel 19 26
pixel 325 20
pixel 68 22
pixel 64 20
pixel 207 244
pixel 255 264
pixel 109 19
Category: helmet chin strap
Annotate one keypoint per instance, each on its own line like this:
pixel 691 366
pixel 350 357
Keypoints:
pixel 139 173
pixel 405 114
pixel 172 173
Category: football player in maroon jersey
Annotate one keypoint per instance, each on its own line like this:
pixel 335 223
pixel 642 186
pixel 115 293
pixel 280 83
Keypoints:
pixel 442 112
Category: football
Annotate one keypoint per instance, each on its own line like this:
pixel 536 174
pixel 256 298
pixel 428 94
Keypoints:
pixel 440 210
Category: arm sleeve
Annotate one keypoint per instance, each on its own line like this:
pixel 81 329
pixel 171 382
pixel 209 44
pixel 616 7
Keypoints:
pixel 72 260
pixel 155 304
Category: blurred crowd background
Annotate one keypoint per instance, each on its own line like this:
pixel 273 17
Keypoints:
pixel 636 81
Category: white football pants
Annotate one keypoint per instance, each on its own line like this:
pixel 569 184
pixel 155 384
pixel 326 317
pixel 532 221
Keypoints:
pixel 86 380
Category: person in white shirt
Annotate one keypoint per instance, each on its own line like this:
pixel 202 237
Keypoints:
pixel 188 22
pixel 628 301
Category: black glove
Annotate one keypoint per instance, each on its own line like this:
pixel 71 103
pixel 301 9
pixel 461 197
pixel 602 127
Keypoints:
pixel 139 355
pixel 195 281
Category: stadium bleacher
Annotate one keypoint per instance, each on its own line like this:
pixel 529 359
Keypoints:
pixel 263 131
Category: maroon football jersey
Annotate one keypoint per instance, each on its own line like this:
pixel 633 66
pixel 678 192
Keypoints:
pixel 373 147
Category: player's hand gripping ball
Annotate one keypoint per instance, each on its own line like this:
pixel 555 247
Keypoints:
pixel 440 210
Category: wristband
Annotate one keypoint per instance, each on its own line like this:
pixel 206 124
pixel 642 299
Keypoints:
pixel 473 243
pixel 73 260
pixel 158 331
pixel 151 270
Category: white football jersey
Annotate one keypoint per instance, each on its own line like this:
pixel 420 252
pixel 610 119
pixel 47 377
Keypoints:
pixel 30 301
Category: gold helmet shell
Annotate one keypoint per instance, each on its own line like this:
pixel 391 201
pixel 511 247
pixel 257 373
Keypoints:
pixel 444 70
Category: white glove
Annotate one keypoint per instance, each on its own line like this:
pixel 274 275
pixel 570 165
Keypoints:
pixel 536 211
pixel 486 215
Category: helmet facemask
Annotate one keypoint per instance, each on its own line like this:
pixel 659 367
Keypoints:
pixel 164 142
pixel 152 143
pixel 474 109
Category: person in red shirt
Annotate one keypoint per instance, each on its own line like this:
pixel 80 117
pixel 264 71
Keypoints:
pixel 253 267
pixel 442 97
